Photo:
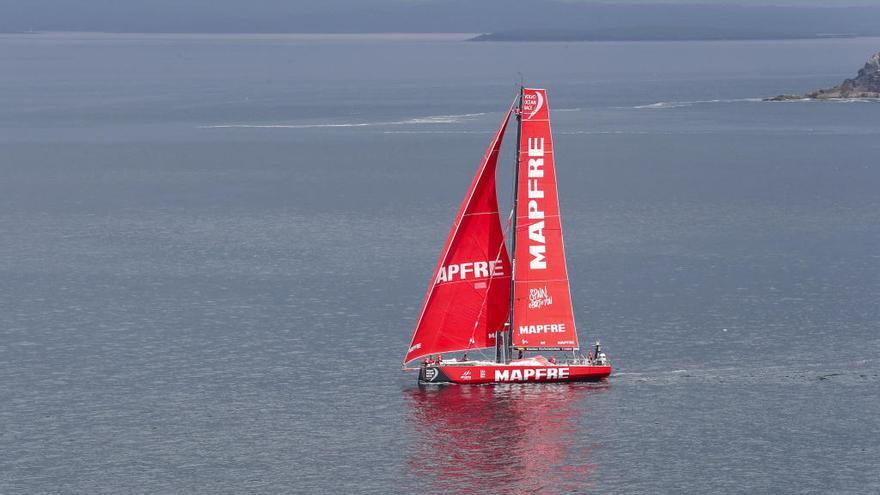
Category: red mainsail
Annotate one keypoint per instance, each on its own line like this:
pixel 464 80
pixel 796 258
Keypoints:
pixel 542 313
pixel 469 296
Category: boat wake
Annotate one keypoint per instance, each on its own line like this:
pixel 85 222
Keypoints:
pixel 613 131
pixel 681 104
pixel 778 374
pixel 428 120
pixel 447 131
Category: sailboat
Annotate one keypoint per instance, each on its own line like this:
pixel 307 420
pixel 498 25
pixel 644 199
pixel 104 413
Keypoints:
pixel 481 298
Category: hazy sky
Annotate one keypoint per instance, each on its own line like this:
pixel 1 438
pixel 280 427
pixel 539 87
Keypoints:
pixel 418 15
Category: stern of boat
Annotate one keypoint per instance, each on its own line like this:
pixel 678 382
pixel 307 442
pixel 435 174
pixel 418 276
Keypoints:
pixel 433 374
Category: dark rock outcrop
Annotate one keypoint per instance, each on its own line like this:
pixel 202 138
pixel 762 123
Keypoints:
pixel 865 85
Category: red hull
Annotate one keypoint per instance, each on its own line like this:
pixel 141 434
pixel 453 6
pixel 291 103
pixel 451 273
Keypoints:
pixel 479 374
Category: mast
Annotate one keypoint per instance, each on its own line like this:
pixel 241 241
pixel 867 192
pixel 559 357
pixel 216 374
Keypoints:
pixel 504 345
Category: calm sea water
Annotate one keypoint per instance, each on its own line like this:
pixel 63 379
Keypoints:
pixel 213 250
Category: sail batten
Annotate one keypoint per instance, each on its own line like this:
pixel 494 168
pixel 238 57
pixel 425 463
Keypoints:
pixel 542 309
pixel 466 301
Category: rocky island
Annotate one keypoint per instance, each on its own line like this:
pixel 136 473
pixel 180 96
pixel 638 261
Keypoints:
pixel 865 85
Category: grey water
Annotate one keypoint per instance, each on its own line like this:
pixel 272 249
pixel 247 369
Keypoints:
pixel 213 250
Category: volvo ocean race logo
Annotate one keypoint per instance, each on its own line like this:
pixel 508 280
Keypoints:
pixel 431 374
pixel 532 103
pixel 539 297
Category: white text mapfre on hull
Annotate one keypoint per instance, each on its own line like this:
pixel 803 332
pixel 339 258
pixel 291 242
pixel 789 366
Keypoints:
pixel 524 375
pixel 480 298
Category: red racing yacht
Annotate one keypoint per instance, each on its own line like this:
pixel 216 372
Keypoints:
pixel 482 298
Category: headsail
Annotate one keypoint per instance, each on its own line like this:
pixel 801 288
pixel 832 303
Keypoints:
pixel 542 312
pixel 468 299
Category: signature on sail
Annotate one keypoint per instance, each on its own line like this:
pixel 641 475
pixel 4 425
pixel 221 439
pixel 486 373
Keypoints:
pixel 539 297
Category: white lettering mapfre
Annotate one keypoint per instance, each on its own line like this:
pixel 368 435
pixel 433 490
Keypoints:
pixel 541 268
pixel 471 270
pixel 531 374
pixel 534 329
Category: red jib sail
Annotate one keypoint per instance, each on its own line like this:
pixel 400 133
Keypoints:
pixel 469 296
pixel 542 314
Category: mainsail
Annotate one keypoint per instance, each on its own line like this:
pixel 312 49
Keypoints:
pixel 542 313
pixel 468 298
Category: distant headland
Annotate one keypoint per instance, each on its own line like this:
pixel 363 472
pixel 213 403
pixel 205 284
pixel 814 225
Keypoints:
pixel 655 33
pixel 865 85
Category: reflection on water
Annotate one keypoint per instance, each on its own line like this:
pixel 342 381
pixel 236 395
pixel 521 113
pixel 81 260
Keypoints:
pixel 526 438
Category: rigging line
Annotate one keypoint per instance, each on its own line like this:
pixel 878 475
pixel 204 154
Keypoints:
pixel 489 283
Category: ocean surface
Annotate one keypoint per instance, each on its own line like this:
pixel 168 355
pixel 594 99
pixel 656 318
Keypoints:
pixel 213 250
